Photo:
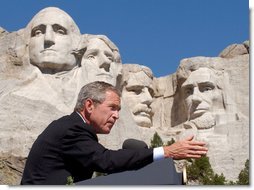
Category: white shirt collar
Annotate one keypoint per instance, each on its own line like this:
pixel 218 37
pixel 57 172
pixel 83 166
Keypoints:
pixel 81 116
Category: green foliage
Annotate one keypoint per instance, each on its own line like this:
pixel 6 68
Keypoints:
pixel 98 174
pixel 156 141
pixel 215 179
pixel 70 180
pixel 172 141
pixel 231 183
pixel 243 177
pixel 201 170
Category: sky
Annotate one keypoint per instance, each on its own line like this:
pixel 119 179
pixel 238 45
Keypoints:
pixel 154 33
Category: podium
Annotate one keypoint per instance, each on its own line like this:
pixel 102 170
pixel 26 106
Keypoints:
pixel 161 172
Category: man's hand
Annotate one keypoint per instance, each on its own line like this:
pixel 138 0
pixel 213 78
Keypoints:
pixel 185 149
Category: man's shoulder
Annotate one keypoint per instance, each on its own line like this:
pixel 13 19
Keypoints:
pixel 68 118
pixel 63 123
pixel 74 119
pixel 72 125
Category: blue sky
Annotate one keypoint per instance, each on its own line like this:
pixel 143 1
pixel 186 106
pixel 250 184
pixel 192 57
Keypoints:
pixel 155 33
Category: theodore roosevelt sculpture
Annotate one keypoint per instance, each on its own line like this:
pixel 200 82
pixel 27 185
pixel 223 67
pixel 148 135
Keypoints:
pixel 137 92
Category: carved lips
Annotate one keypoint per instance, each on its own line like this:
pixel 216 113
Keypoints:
pixel 198 112
pixel 143 111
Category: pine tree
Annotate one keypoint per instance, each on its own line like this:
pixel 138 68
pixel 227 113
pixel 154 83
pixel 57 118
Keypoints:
pixel 243 178
pixel 156 141
pixel 70 180
pixel 172 141
pixel 200 170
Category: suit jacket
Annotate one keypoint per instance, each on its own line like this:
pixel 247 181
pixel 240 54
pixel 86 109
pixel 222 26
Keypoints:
pixel 69 147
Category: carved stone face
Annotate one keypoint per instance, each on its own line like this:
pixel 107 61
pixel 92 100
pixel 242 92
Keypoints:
pixel 51 41
pixel 98 62
pixel 201 94
pixel 137 94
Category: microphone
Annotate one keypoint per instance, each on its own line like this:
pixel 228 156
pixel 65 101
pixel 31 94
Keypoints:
pixel 134 144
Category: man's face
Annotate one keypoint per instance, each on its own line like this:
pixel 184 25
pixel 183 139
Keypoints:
pixel 105 114
pixel 51 43
pixel 201 94
pixel 98 61
pixel 138 96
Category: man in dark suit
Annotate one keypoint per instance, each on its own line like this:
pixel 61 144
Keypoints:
pixel 69 146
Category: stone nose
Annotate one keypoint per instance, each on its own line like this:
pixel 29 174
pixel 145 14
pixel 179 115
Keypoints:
pixel 104 63
pixel 196 96
pixel 146 97
pixel 49 38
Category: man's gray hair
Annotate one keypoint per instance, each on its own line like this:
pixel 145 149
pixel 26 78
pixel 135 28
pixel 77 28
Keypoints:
pixel 95 91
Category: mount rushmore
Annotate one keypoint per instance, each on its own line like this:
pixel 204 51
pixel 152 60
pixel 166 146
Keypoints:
pixel 44 65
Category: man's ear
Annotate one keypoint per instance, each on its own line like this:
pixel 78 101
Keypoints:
pixel 89 105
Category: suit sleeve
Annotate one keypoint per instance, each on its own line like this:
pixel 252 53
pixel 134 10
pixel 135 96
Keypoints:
pixel 82 150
